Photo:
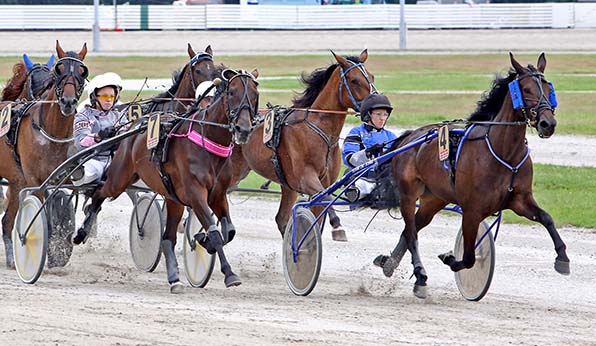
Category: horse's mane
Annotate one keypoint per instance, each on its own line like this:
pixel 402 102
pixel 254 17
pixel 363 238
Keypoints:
pixel 315 82
pixel 492 100
pixel 176 78
pixel 14 86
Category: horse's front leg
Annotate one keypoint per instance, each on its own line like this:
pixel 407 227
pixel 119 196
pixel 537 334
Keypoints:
pixel 168 244
pixel 213 241
pixel 525 205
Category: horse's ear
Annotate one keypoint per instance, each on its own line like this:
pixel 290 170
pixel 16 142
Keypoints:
pixel 340 60
pixel 518 68
pixel 191 52
pixel 541 62
pixel 59 50
pixel 255 73
pixel 51 61
pixel 83 52
pixel 364 55
pixel 208 50
pixel 28 62
pixel 228 73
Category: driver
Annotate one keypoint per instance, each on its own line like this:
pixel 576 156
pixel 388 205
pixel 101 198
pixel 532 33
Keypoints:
pixel 368 140
pixel 97 122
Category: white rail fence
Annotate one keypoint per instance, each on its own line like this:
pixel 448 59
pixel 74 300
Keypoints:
pixel 480 16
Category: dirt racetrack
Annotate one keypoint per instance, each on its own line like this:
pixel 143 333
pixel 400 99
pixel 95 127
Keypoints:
pixel 99 298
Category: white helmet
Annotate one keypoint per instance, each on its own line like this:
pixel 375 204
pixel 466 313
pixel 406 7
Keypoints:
pixel 104 80
pixel 203 87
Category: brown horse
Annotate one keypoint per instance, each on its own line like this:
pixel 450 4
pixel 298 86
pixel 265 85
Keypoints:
pixel 181 94
pixel 29 80
pixel 40 142
pixel 308 152
pixel 493 170
pixel 190 175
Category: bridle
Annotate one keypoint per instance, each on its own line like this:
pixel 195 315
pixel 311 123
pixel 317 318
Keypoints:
pixel 344 82
pixel 70 75
pixel 200 56
pixel 532 114
pixel 232 114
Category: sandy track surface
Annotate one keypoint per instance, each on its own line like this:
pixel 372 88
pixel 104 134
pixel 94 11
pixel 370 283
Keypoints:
pixel 99 298
pixel 305 42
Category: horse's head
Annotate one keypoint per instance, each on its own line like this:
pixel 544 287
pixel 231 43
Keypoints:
pixel 534 96
pixel 38 76
pixel 201 66
pixel 241 100
pixel 355 79
pixel 69 78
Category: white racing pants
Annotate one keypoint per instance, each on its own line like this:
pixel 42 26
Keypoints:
pixel 94 170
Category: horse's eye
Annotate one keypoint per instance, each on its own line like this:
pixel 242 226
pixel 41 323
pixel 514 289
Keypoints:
pixel 59 69
pixel 83 71
pixel 355 82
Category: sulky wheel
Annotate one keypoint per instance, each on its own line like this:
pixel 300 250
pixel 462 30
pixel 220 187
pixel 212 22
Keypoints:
pixel 30 252
pixel 473 283
pixel 145 232
pixel 198 263
pixel 302 275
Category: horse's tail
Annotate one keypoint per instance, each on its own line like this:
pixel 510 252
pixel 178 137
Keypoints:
pixel 15 84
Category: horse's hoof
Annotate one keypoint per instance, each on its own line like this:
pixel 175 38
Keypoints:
pixel 562 267
pixel 420 291
pixel 447 257
pixel 203 240
pixel 339 235
pixel 79 238
pixel 388 264
pixel 232 280
pixel 389 267
pixel 176 287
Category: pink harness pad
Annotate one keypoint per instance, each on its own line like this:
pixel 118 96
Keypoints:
pixel 210 145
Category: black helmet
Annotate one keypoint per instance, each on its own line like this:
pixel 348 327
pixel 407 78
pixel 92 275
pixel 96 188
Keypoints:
pixel 374 101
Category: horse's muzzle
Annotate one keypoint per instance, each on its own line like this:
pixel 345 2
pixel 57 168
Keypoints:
pixel 546 125
pixel 241 135
pixel 68 106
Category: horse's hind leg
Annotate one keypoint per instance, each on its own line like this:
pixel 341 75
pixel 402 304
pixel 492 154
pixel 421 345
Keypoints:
pixel 219 205
pixel 470 223
pixel 7 224
pixel 288 198
pixel 408 209
pixel 168 243
pixel 429 207
pixel 119 176
pixel 525 205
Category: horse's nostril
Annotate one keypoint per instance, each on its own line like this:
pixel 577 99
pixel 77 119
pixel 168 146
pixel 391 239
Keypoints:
pixel 544 124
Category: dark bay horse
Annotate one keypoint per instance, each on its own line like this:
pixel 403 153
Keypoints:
pixel 40 141
pixel 181 94
pixel 493 171
pixel 191 170
pixel 308 152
